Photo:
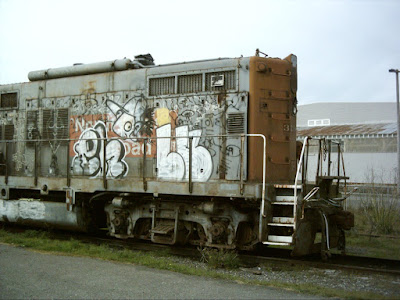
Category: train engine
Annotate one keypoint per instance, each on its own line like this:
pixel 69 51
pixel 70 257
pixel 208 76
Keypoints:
pixel 200 153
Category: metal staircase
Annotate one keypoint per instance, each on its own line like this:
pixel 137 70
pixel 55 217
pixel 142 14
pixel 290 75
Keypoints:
pixel 284 208
pixel 291 202
pixel 282 222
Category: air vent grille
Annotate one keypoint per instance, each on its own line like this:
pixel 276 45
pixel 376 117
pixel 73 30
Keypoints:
pixel 8 132
pixel 32 128
pixel 9 100
pixel 162 86
pixel 55 124
pixel 190 83
pixel 235 123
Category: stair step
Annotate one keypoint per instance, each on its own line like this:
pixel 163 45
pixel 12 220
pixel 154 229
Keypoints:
pixel 286 186
pixel 280 225
pixel 284 198
pixel 162 229
pixel 280 239
pixel 283 220
pixel 282 203
pixel 276 244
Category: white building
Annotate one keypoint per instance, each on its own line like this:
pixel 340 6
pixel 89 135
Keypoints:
pixel 367 132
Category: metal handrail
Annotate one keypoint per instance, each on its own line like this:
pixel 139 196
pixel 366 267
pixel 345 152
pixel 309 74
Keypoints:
pixel 144 139
pixel 299 167
pixel 147 139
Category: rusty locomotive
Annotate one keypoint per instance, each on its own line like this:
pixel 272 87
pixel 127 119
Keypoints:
pixel 200 152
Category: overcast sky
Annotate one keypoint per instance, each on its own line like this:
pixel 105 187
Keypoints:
pixel 344 48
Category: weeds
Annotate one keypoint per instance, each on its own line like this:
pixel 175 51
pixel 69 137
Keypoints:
pixel 219 258
pixel 379 208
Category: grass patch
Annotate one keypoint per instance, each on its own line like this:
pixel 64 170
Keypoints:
pixel 380 247
pixel 370 220
pixel 43 241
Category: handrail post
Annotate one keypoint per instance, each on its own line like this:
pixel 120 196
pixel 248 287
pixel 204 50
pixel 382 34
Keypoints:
pixel 68 165
pixel 329 157
pixel 241 164
pixel 6 165
pixel 262 213
pixel 338 169
pixel 190 164
pixel 306 164
pixel 104 164
pixel 296 179
pixel 144 164
pixel 319 160
pixel 35 165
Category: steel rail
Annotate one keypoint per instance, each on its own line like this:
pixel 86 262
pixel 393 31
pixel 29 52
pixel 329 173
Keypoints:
pixel 347 262
pixel 339 262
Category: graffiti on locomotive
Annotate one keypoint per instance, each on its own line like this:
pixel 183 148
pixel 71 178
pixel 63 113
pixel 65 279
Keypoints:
pixel 120 128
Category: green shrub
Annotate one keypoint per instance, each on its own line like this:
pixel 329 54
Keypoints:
pixel 220 258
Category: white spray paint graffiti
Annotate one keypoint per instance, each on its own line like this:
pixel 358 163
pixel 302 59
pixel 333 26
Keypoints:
pixel 132 116
pixel 23 209
pixel 134 119
pixel 175 165
pixel 89 158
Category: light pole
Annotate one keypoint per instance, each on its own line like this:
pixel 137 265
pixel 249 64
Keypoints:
pixel 398 129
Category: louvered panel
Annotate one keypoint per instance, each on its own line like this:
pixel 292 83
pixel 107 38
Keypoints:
pixel 8 132
pixel 48 123
pixel 9 100
pixel 190 83
pixel 218 81
pixel 55 124
pixel 32 126
pixel 235 123
pixel 162 86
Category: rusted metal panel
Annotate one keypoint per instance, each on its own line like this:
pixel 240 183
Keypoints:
pixel 272 112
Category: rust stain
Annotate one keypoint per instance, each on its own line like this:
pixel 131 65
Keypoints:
pixel 270 113
pixel 89 88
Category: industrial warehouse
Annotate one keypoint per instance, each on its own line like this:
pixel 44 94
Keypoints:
pixel 367 133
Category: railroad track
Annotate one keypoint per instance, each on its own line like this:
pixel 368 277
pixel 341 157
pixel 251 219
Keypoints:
pixel 269 255
pixel 339 262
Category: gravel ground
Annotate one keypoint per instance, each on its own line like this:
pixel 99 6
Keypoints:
pixel 385 285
